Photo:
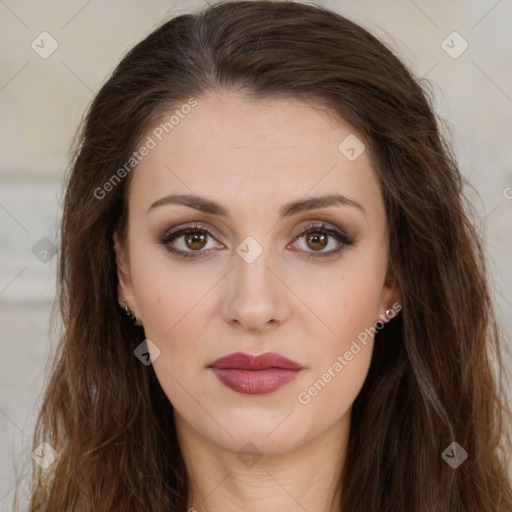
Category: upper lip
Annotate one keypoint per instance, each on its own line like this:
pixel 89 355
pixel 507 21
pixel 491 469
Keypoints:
pixel 243 361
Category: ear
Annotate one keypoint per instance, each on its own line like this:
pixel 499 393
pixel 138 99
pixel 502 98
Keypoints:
pixel 391 297
pixel 124 281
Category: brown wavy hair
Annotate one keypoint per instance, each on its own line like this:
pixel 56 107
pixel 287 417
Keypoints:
pixel 436 375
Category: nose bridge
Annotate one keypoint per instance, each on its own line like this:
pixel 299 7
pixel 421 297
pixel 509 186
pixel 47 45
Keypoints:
pixel 256 296
pixel 252 264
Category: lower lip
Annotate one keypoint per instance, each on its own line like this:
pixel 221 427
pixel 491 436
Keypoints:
pixel 255 382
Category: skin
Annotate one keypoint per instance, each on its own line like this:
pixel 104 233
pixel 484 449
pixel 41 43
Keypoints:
pixel 252 157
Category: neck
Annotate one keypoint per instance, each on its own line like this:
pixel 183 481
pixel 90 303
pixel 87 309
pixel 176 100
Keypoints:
pixel 306 478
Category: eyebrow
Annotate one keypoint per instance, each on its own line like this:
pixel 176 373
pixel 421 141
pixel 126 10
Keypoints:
pixel 287 210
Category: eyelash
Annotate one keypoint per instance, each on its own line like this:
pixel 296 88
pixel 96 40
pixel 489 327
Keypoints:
pixel 174 233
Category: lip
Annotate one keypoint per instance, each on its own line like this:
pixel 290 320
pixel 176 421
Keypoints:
pixel 255 375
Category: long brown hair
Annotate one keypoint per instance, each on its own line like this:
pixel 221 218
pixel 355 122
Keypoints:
pixel 432 380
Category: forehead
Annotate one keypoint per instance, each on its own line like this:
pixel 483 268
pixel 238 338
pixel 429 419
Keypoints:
pixel 253 152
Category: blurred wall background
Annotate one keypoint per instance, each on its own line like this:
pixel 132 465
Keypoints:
pixel 55 55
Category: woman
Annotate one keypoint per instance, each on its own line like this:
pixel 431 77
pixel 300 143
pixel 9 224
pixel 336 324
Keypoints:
pixel 272 295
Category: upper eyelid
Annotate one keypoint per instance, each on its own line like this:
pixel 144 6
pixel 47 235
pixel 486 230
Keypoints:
pixel 206 227
pixel 194 226
pixel 199 226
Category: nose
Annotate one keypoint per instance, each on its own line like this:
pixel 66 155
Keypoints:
pixel 256 297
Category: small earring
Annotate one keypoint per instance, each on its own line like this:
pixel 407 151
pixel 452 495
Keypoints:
pixel 391 313
pixel 129 313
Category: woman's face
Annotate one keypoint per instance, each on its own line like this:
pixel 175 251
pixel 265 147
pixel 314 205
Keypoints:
pixel 250 278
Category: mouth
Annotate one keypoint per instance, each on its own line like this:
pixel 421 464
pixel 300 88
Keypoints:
pixel 255 375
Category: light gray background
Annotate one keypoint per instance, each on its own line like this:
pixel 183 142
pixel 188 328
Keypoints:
pixel 43 100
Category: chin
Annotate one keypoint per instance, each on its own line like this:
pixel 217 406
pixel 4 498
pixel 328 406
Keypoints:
pixel 269 434
pixel 259 444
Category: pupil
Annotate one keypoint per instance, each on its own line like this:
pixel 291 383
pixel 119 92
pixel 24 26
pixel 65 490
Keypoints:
pixel 318 239
pixel 315 237
pixel 196 238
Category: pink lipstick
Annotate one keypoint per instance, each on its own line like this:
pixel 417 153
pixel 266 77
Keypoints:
pixel 255 375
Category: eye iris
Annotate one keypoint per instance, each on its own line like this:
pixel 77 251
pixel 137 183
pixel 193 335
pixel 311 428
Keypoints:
pixel 317 239
pixel 195 238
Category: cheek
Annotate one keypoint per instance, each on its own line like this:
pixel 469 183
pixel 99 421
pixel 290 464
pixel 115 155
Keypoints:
pixel 347 301
pixel 169 295
pixel 341 356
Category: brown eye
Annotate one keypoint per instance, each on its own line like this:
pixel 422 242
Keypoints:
pixel 316 240
pixel 196 240
pixel 192 241
pixel 188 241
